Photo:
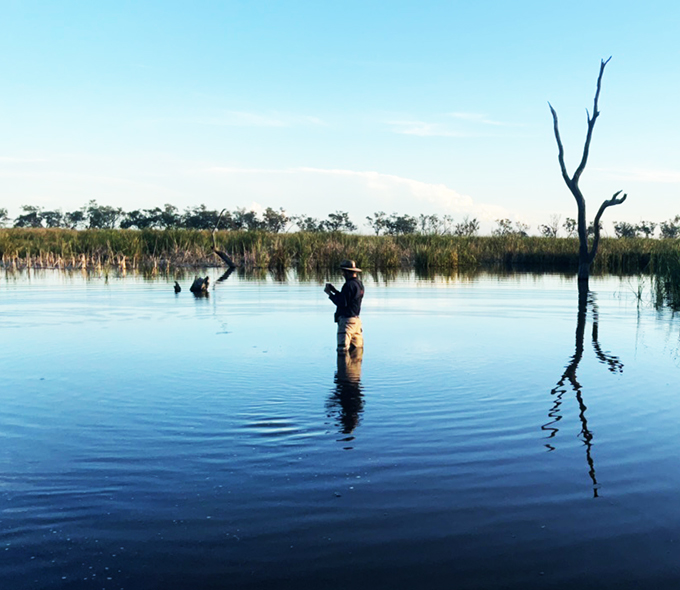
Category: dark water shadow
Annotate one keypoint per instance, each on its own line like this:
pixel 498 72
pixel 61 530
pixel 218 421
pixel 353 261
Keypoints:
pixel 345 404
pixel 586 299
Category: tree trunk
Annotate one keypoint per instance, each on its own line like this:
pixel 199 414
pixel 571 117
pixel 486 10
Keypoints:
pixel 225 257
pixel 585 257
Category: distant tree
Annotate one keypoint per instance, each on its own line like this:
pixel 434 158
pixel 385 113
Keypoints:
pixel 274 221
pixel 396 224
pixel 75 219
pixel 199 218
pixel 467 228
pixel 522 229
pixel 251 221
pixel 586 255
pixel 339 221
pixel 504 228
pixel 144 219
pixel 430 224
pixel 550 229
pixel 591 229
pixel 377 221
pixel 569 226
pixel 647 228
pixel 401 225
pixel 53 218
pixel 238 219
pixel 670 229
pixel 623 229
pixel 32 217
pixel 306 223
pixel 169 217
pixel 102 216
pixel 152 218
pixel 246 220
pixel 225 221
pixel 4 217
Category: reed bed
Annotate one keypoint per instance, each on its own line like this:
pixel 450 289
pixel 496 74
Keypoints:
pixel 313 252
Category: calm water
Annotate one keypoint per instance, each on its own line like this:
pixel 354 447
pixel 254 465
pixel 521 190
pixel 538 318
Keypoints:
pixel 493 435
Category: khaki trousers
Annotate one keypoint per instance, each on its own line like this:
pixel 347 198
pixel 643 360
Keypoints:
pixel 349 333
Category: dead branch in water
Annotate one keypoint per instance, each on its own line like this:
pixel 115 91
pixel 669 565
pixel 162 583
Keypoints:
pixel 223 255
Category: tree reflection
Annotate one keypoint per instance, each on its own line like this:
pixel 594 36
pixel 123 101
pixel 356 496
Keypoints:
pixel 586 299
pixel 346 402
pixel 225 276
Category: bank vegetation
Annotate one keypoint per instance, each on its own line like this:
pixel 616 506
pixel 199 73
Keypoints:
pixel 318 251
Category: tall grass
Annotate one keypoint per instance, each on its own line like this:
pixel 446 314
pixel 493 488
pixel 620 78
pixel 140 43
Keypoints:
pixel 164 249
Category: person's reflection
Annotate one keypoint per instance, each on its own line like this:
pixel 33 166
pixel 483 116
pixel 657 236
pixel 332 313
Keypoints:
pixel 346 402
pixel 585 298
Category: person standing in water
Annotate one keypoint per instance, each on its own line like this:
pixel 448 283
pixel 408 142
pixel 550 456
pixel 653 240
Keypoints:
pixel 348 304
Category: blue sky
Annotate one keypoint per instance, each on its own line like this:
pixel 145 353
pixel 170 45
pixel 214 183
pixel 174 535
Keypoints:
pixel 409 107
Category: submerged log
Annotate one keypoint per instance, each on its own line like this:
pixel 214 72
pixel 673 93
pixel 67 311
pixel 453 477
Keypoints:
pixel 200 286
pixel 225 257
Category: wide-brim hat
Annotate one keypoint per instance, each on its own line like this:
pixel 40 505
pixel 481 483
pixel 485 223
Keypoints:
pixel 349 265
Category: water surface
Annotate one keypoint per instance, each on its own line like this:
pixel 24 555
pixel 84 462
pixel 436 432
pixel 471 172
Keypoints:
pixel 493 434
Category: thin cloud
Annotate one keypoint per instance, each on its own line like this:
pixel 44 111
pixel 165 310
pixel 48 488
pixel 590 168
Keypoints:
pixel 314 121
pixel 479 118
pixel 13 160
pixel 88 180
pixel 389 188
pixel 244 119
pixel 247 119
pixel 436 194
pixel 465 125
pixel 236 170
pixel 642 175
pixel 423 129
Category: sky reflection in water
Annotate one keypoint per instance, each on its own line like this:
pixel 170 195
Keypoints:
pixel 495 432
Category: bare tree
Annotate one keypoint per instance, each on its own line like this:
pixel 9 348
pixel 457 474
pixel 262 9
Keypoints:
pixel 549 230
pixel 467 228
pixel 671 228
pixel 647 228
pixel 570 227
pixel 586 256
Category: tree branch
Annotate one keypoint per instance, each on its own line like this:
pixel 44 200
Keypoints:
pixel 560 147
pixel 217 223
pixel 596 224
pixel 223 255
pixel 591 124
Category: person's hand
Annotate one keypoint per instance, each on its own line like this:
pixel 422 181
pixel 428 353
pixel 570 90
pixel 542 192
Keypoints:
pixel 329 289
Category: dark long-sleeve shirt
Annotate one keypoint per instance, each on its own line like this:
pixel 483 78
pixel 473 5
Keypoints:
pixel 349 299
